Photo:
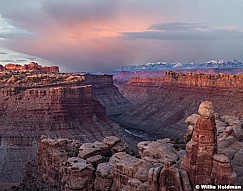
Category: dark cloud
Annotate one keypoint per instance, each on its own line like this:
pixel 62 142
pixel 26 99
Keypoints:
pixel 21 60
pixel 175 36
pixel 178 26
pixel 3 53
pixel 185 32
pixel 8 61
pixel 82 11
pixel 2 35
pixel 32 58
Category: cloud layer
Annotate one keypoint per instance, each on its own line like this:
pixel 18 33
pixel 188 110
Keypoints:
pixel 101 35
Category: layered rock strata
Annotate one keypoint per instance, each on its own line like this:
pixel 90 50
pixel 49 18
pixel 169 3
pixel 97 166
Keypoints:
pixel 39 101
pixel 195 80
pixel 28 113
pixel 107 94
pixel 31 67
pixel 174 81
pixel 102 85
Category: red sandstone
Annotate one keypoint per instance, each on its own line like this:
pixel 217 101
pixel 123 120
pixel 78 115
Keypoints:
pixel 31 67
pixel 194 80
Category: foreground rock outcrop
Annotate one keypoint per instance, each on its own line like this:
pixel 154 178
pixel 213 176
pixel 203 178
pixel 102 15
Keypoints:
pixel 103 166
pixel 229 132
pixel 109 166
pixel 204 165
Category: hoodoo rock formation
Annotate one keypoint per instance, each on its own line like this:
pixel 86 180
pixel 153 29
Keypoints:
pixel 31 67
pixel 204 165
pixel 107 166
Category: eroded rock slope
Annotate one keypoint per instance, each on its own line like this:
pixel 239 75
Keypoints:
pixel 108 165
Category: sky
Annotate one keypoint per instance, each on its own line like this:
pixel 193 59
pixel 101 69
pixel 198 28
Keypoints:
pixel 102 35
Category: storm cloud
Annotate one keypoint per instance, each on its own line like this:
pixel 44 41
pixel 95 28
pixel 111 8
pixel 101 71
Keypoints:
pixel 101 35
pixel 186 32
pixel 178 26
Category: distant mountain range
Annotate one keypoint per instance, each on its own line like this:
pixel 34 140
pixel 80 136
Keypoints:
pixel 212 64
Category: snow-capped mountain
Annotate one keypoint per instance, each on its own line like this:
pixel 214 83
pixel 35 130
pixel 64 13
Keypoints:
pixel 182 66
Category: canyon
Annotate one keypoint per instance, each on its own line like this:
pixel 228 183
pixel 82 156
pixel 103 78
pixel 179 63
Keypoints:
pixel 60 114
pixel 161 103
pixel 213 156
pixel 54 105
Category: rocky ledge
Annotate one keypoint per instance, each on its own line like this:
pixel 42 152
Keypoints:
pixel 159 165
pixel 31 67
pixel 194 80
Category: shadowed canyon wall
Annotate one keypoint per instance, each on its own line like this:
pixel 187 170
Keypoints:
pixel 162 103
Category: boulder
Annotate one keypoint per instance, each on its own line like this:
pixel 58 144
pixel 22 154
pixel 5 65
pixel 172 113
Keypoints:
pixel 125 167
pixel 111 140
pixel 103 180
pixel 90 149
pixel 231 120
pixel 158 151
pixel 77 175
pixel 192 119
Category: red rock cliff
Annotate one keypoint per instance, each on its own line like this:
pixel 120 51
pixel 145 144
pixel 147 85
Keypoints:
pixel 31 67
pixel 28 113
pixel 194 80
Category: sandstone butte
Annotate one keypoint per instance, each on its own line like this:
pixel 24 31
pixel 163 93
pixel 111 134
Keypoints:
pixel 56 105
pixel 107 165
pixel 31 67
